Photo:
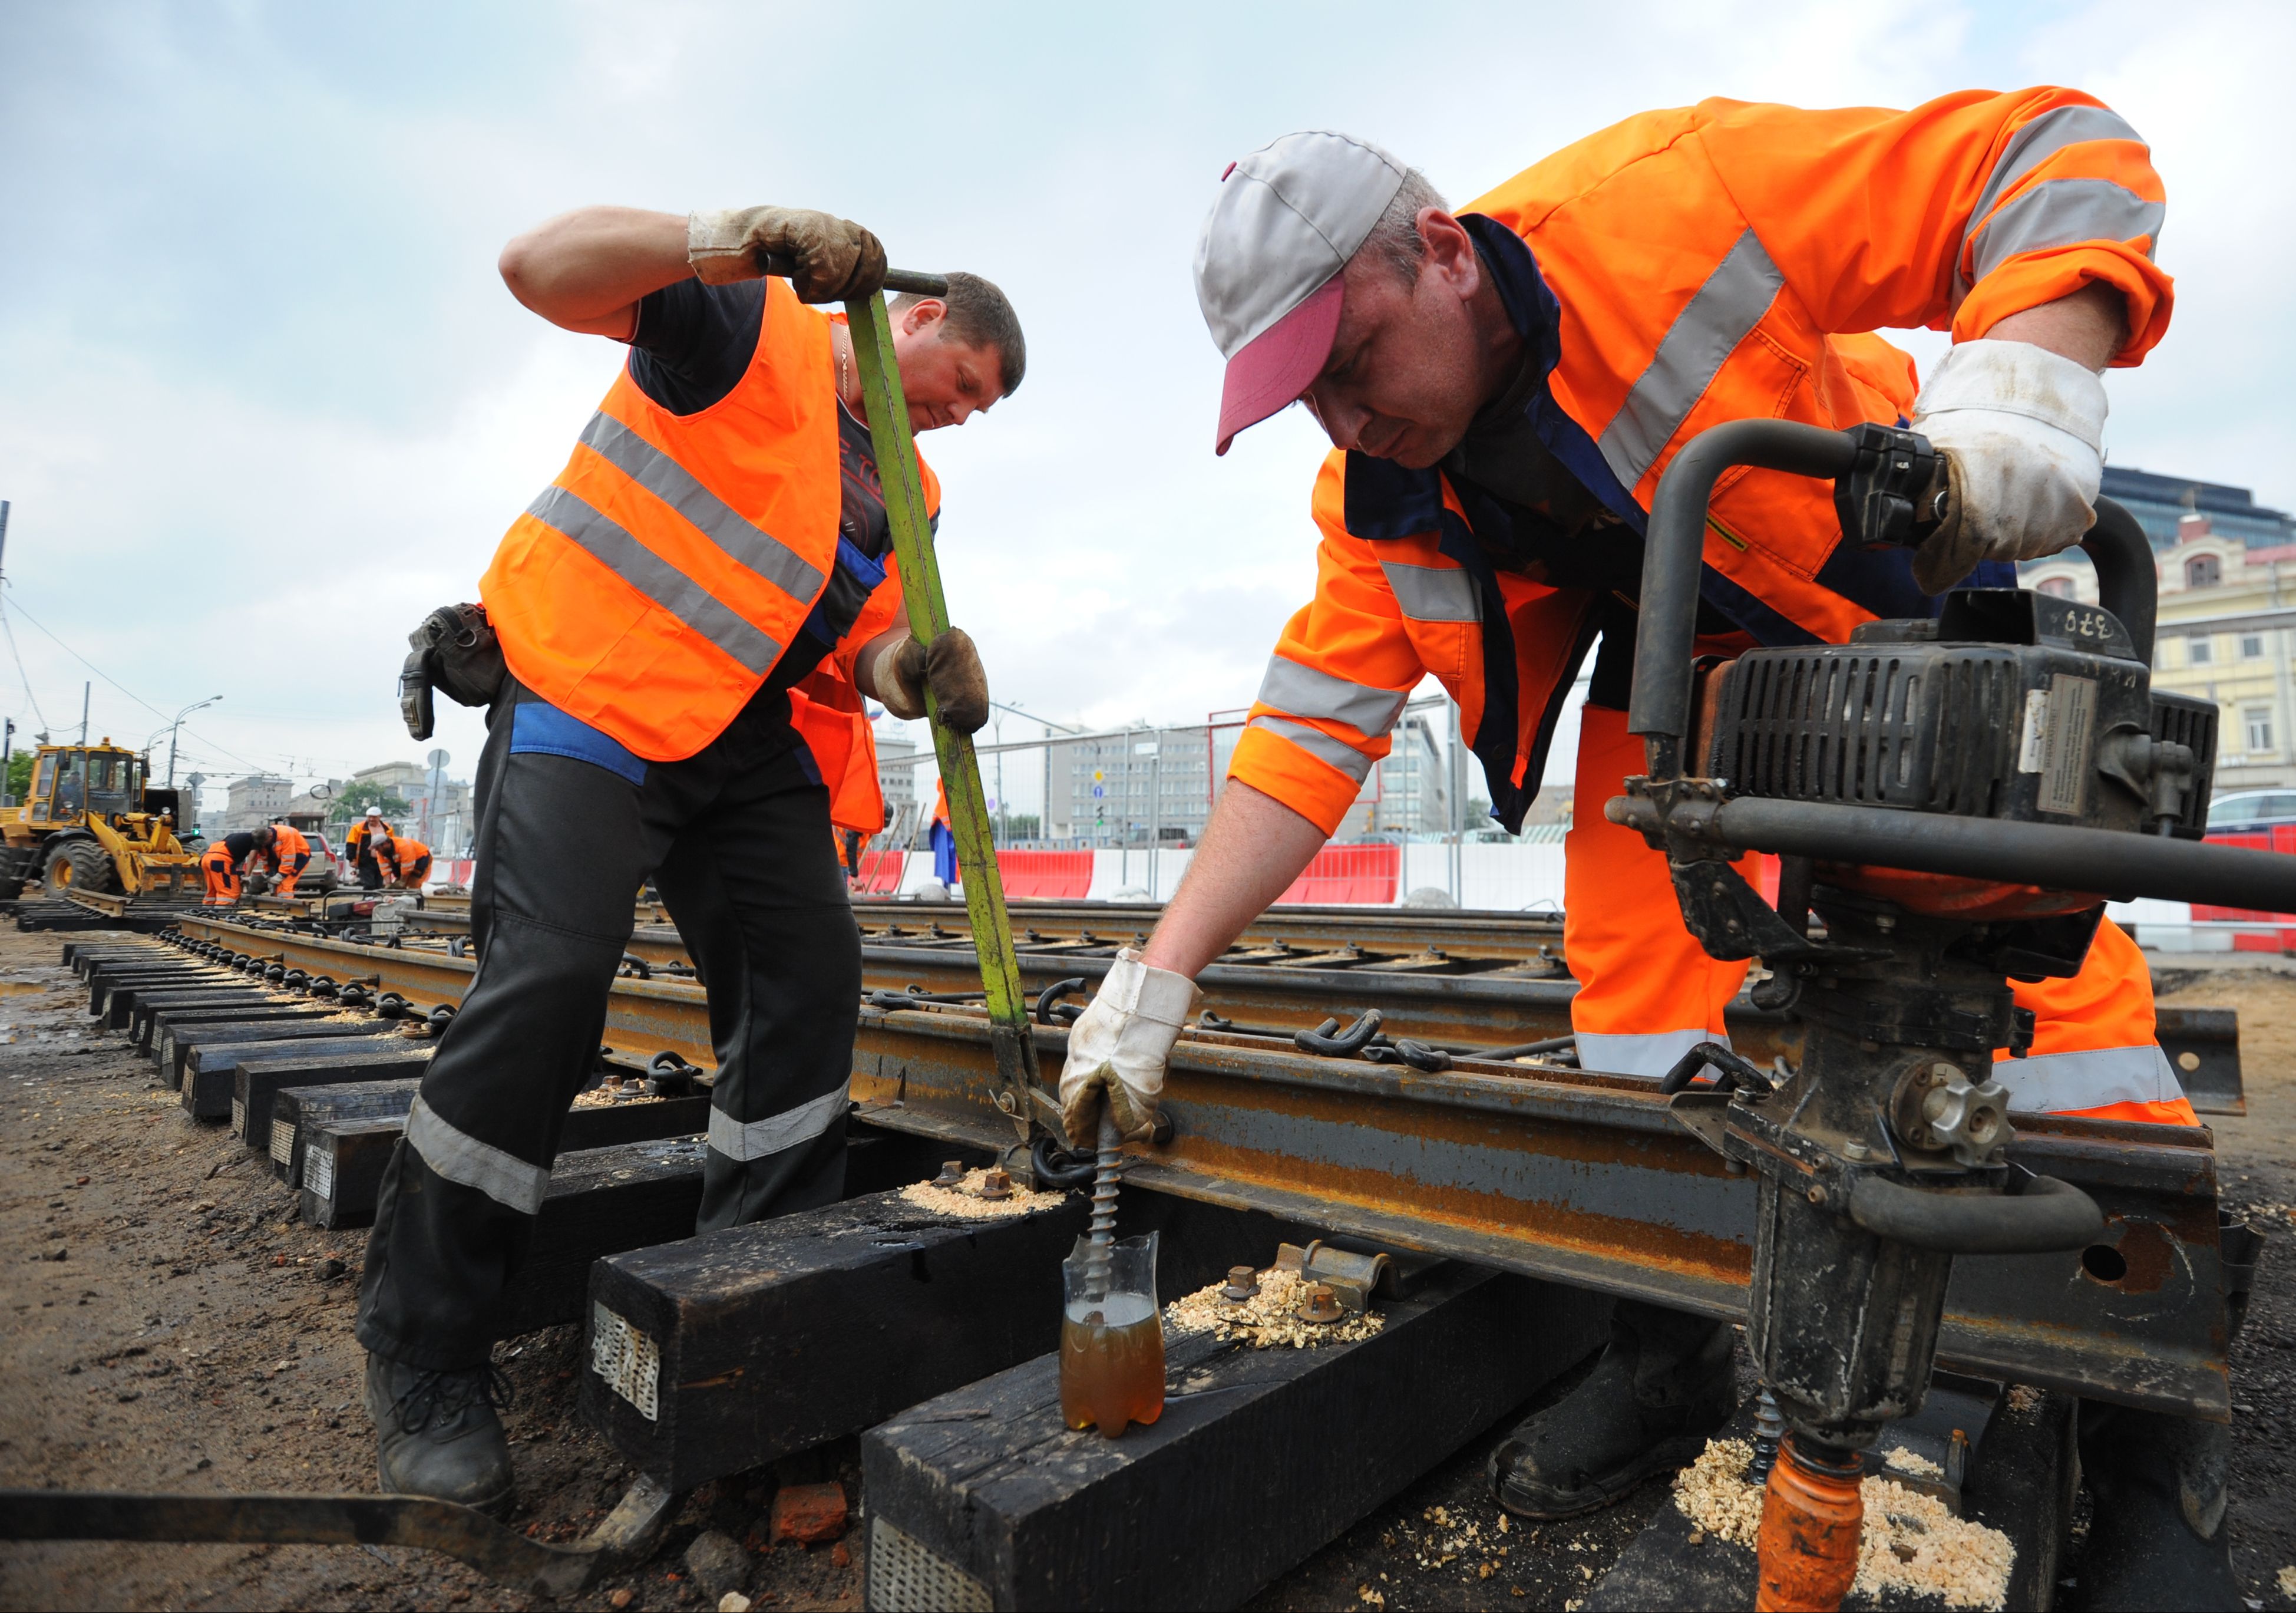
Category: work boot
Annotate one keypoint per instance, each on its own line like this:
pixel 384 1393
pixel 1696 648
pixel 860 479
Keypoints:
pixel 437 1434
pixel 2157 1486
pixel 1662 1387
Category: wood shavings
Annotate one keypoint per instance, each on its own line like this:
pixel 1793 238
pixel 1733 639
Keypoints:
pixel 1913 1462
pixel 964 1200
pixel 1910 1542
pixel 1266 1320
pixel 604 1097
pixel 2024 1397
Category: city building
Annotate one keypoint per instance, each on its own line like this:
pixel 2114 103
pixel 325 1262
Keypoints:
pixel 2160 502
pixel 2226 633
pixel 1143 787
pixel 250 802
pixel 1408 792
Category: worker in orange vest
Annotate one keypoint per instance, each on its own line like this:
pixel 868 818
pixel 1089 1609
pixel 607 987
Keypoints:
pixel 286 856
pixel 1503 388
pixel 675 642
pixel 222 864
pixel 404 861
pixel 942 838
pixel 359 844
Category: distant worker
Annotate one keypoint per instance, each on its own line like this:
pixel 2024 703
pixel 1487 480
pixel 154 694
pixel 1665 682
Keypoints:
pixel 404 861
pixel 676 639
pixel 1503 389
pixel 941 837
pixel 358 845
pixel 222 863
pixel 286 858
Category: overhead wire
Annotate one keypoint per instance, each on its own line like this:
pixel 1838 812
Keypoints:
pixel 114 682
pixel 19 656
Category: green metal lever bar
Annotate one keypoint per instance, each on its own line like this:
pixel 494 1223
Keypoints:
pixel 968 804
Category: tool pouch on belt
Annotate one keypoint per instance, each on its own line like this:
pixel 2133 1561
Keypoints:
pixel 455 650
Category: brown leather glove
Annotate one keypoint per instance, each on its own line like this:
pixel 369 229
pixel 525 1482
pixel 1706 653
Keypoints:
pixel 1954 549
pixel 829 258
pixel 951 668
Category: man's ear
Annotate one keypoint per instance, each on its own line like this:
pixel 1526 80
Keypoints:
pixel 1450 251
pixel 922 315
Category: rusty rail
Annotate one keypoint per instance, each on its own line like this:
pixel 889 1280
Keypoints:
pixel 1559 1173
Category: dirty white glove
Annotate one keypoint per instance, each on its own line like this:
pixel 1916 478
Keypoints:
pixel 2022 429
pixel 1116 1050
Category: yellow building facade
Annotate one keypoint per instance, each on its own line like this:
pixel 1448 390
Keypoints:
pixel 2226 634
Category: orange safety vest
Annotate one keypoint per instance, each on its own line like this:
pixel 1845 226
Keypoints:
pixel 653 587
pixel 1683 268
pixel 404 855
pixel 287 844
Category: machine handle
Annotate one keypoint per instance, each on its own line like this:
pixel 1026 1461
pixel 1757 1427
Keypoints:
pixel 896 280
pixel 1674 550
pixel 2049 1214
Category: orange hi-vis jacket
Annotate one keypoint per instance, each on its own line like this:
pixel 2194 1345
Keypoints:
pixel 404 858
pixel 288 856
pixel 653 585
pixel 355 838
pixel 1683 268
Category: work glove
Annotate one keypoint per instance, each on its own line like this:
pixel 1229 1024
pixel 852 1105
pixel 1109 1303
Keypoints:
pixel 829 259
pixel 2022 429
pixel 950 667
pixel 1118 1049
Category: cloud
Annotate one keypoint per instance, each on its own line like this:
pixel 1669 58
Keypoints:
pixel 268 401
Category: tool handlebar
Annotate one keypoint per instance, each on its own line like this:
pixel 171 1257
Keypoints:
pixel 915 281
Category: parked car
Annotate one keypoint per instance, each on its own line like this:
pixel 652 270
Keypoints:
pixel 2251 811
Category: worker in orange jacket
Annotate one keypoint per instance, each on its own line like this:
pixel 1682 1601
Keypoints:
pixel 404 861
pixel 224 861
pixel 676 641
pixel 359 846
pixel 285 857
pixel 1504 388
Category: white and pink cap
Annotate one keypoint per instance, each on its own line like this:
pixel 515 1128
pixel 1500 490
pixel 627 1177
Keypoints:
pixel 1286 221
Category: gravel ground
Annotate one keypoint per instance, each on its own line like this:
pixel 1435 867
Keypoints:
pixel 169 1326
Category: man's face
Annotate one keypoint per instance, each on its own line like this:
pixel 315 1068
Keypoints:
pixel 946 383
pixel 1405 377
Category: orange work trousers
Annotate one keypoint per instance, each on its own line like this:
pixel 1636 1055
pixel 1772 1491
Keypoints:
pixel 1648 992
pixel 221 875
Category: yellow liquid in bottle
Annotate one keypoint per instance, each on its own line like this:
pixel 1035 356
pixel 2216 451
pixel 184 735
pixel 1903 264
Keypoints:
pixel 1111 1364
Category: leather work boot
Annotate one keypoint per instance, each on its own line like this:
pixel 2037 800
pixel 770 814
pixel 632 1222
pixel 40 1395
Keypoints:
pixel 1665 1384
pixel 437 1434
pixel 2157 1484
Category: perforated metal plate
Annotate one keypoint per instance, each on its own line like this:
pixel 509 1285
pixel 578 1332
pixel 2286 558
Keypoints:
pixel 906 1576
pixel 319 1169
pixel 625 1361
pixel 238 1118
pixel 283 1146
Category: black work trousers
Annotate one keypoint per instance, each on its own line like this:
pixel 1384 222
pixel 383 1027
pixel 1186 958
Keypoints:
pixel 737 840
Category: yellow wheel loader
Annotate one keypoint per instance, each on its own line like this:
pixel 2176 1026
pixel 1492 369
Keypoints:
pixel 92 821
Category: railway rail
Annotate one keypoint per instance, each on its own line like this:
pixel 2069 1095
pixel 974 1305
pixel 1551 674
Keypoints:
pixel 1533 1168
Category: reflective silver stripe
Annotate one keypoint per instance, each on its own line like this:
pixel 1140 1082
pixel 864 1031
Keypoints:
pixel 676 486
pixel 1302 691
pixel 2030 146
pixel 762 1139
pixel 2060 213
pixel 1704 335
pixel 2056 1084
pixel 659 580
pixel 1319 744
pixel 1433 593
pixel 1651 1055
pixel 461 1157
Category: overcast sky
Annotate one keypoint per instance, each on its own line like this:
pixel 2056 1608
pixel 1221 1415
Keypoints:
pixel 263 401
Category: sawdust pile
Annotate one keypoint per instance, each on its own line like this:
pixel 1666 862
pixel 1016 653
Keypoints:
pixel 964 1200
pixel 1913 1462
pixel 1266 1319
pixel 1911 1542
pixel 605 1097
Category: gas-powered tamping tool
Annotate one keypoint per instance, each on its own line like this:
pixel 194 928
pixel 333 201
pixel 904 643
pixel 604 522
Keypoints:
pixel 1956 798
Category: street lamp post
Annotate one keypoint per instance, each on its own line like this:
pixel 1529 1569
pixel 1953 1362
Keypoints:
pixel 187 710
